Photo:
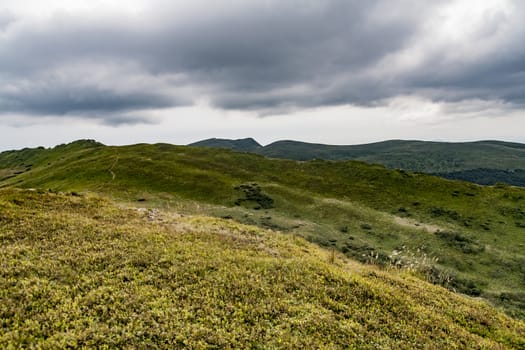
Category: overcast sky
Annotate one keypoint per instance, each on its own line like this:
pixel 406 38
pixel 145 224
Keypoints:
pixel 330 71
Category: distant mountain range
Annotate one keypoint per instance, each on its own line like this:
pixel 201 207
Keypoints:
pixel 483 162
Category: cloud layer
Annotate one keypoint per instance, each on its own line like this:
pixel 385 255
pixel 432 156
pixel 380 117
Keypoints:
pixel 263 56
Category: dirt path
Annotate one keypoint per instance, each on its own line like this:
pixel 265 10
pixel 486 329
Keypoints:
pixel 417 225
pixel 113 176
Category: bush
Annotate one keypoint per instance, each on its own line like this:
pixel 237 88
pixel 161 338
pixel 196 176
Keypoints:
pixel 457 240
pixel 253 193
pixel 438 211
pixel 465 286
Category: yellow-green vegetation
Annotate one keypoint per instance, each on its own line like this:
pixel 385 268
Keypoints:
pixel 466 237
pixel 78 271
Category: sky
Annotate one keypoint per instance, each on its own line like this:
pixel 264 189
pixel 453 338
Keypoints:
pixel 328 71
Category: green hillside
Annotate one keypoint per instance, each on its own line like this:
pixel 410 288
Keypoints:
pixel 465 237
pixel 483 162
pixel 515 177
pixel 430 157
pixel 80 272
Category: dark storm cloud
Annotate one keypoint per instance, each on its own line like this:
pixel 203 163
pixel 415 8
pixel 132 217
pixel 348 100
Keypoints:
pixel 77 100
pixel 262 56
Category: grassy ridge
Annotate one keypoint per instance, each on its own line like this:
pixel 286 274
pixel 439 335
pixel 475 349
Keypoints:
pixel 373 214
pixel 482 162
pixel 78 271
pixel 425 156
pixel 431 157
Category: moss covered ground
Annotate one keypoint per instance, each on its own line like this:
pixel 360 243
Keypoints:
pixel 466 237
pixel 79 271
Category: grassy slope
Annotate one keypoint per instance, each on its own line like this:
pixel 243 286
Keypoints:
pixel 368 212
pixel 78 271
pixel 430 157
pixel 515 177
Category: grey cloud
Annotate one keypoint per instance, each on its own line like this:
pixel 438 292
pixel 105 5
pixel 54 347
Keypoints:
pixel 105 92
pixel 497 74
pixel 261 56
pixel 6 18
pixel 280 46
pixel 71 100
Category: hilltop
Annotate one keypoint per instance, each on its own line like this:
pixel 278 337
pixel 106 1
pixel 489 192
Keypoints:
pixel 241 145
pixel 483 162
pixel 79 271
pixel 465 237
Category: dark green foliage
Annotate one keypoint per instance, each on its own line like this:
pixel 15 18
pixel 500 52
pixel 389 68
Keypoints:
pixel 514 303
pixel 438 276
pixel 466 244
pixel 253 194
pixel 241 145
pixel 438 211
pixel 366 227
pixel 403 212
pixel 514 212
pixel 451 281
pixel 465 286
pixel 488 176
pixel 365 253
pixel 453 237
pixel 86 143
